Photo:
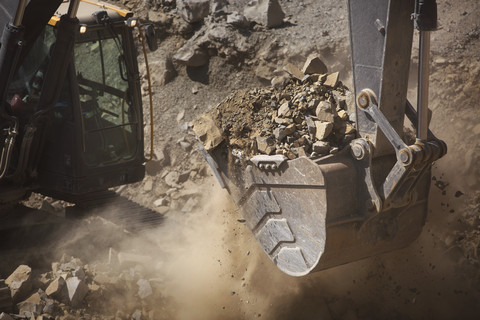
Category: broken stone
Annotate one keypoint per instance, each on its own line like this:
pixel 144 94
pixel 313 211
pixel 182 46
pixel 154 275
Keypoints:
pixel 238 20
pixel 180 115
pixel 294 71
pixel 332 80
pixel 77 290
pixel 279 133
pixel 160 202
pixel 33 306
pixel 20 282
pixel 207 132
pixel 314 65
pixel 148 186
pixel 321 147
pixel 5 316
pixel 144 289
pixel 193 10
pixel 284 110
pixel 265 145
pixel 342 114
pixel 171 179
pixel 56 289
pixel 325 111
pixel 191 56
pixel 265 12
pixel 323 129
pixel 164 71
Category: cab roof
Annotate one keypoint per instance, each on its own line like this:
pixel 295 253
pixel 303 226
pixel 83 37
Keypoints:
pixel 86 10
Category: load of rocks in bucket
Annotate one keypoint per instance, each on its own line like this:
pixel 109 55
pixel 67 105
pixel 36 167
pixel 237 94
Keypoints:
pixel 310 117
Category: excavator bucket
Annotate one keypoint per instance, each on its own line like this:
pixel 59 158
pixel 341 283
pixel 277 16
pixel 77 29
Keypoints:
pixel 312 214
pixel 311 210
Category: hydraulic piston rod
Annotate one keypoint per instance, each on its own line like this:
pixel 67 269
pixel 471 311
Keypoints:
pixel 425 18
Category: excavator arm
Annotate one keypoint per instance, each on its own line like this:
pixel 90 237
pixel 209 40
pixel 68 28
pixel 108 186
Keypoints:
pixel 312 213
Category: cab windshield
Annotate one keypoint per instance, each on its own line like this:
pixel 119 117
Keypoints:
pixel 108 117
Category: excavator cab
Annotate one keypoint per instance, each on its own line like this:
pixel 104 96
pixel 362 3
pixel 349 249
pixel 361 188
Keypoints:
pixel 317 212
pixel 96 137
pixel 77 104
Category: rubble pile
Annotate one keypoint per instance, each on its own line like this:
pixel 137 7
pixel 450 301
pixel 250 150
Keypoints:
pixel 311 115
pixel 117 289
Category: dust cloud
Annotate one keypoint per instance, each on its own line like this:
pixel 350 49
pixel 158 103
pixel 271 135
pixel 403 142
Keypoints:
pixel 201 265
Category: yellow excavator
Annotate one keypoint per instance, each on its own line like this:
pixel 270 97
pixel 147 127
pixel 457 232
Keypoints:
pixel 317 212
pixel 71 118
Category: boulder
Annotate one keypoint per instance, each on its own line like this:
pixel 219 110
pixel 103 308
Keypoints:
pixel 314 65
pixel 238 20
pixel 207 132
pixel 323 129
pixel 20 282
pixel 193 10
pixel 325 111
pixel 265 12
pixel 77 290
pixel 191 56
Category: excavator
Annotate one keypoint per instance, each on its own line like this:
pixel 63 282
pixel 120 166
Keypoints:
pixel 71 118
pixel 71 127
pixel 313 213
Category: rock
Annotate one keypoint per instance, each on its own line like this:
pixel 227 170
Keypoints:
pixel 265 12
pixel 4 316
pixel 265 145
pixel 32 307
pixel 144 289
pixel 193 10
pixel 284 110
pixel 79 272
pixel 191 56
pixel 207 132
pixel 314 65
pixel 181 115
pixel 342 114
pixel 163 71
pixel 20 282
pixel 321 147
pixel 264 73
pixel 294 71
pixel 325 111
pixel 238 20
pixel 77 290
pixel 57 289
pixel 218 5
pixel 280 81
pixel 160 202
pixel 323 129
pixel 279 133
pixel 171 179
pixel 332 80
pixel 148 186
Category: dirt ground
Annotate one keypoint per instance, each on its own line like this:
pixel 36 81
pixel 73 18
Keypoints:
pixel 206 264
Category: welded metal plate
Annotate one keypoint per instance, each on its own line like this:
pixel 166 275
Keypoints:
pixel 286 212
